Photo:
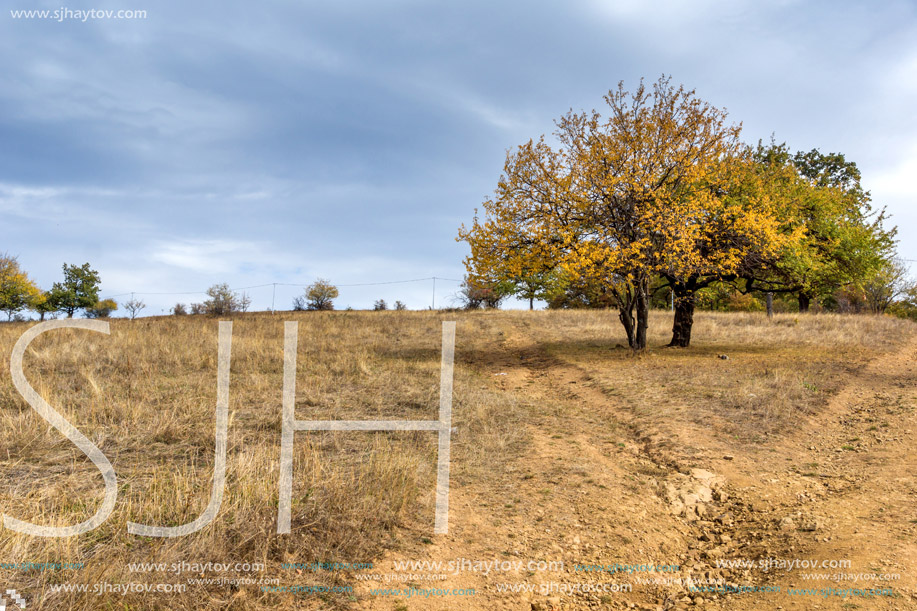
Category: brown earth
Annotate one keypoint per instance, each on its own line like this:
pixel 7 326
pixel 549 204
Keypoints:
pixel 609 479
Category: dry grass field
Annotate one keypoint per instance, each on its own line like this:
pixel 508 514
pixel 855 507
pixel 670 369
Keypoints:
pixel 567 448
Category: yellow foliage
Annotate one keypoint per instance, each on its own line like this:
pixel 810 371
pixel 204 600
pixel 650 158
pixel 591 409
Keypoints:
pixel 663 186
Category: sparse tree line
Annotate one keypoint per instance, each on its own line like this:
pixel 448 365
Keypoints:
pixel 79 292
pixel 661 204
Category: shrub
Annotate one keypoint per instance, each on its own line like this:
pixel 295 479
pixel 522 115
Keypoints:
pixel 476 294
pixel 380 305
pixel 223 302
pixel 319 295
pixel 133 307
pixel 102 309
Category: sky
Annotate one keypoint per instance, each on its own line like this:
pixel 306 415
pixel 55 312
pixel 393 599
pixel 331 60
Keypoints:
pixel 281 142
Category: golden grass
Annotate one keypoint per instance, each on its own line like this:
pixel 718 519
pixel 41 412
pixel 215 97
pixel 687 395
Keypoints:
pixel 146 396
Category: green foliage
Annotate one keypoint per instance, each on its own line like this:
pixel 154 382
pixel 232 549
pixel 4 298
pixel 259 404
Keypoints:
pixel 843 241
pixel 79 290
pixel 43 305
pixel 726 298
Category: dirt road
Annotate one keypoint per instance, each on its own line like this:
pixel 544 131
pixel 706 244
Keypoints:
pixel 623 501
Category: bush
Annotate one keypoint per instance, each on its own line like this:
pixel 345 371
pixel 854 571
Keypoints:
pixel 725 298
pixel 179 310
pixel 380 305
pixel 400 306
pixel 223 302
pixel 476 294
pixel 102 309
pixel 319 295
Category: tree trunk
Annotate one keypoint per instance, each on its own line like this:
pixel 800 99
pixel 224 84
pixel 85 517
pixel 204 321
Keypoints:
pixel 804 302
pixel 531 303
pixel 42 316
pixel 770 305
pixel 627 319
pixel 643 310
pixel 684 316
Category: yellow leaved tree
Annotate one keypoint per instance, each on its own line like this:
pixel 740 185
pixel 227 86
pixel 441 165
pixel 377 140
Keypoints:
pixel 17 291
pixel 658 188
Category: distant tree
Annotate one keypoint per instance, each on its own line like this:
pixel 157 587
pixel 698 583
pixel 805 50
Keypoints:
pixel 79 290
pixel 299 303
pixel 887 285
pixel 400 306
pixel 380 305
pixel 580 292
pixel 179 310
pixel 245 302
pixel 222 302
pixel 535 285
pixel 102 309
pixel 475 294
pixel 848 242
pixel 44 306
pixel 17 291
pixel 320 295
pixel 133 307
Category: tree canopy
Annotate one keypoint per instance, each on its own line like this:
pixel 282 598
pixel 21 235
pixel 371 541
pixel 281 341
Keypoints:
pixel 79 290
pixel 663 188
pixel 619 201
pixel 17 291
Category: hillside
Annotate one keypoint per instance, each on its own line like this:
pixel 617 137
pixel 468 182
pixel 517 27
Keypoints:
pixel 785 439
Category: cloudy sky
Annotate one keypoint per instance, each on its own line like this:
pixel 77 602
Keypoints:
pixel 254 143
